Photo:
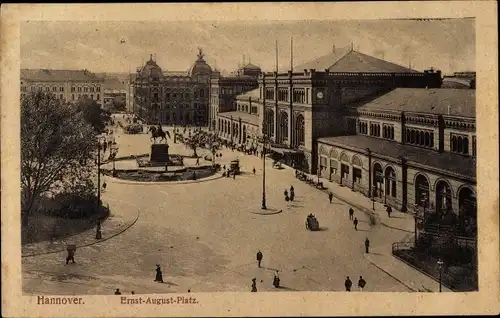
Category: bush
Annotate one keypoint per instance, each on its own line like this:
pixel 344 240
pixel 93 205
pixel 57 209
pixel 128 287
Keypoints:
pixel 75 206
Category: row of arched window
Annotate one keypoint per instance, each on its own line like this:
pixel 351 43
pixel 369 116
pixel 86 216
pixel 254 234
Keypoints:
pixel 420 137
pixel 460 144
pixel 388 132
pixel 374 130
pixel 363 128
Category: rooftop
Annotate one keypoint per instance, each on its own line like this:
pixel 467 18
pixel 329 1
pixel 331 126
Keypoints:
pixel 454 163
pixel 45 75
pixel 439 101
pixel 245 117
pixel 253 94
pixel 349 60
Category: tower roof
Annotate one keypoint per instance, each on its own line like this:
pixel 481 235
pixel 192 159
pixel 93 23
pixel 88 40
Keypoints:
pixel 200 66
pixel 151 69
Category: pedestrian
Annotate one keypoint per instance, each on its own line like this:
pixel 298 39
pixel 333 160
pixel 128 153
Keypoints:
pixel 234 174
pixel 351 213
pixel 355 222
pixel 259 258
pixel 389 210
pixel 253 170
pixel 292 196
pixel 330 196
pixel 292 189
pixel 367 245
pixel 197 161
pixel 117 292
pixel 254 285
pixel 361 283
pixel 133 293
pixel 71 254
pixel 104 185
pixel 348 284
pixel 98 234
pixel 224 167
pixel 285 192
pixel 159 274
pixel 276 280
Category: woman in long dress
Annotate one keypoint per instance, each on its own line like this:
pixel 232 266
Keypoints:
pixel 159 275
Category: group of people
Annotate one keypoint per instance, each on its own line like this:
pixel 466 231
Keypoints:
pixel 348 283
pixel 276 278
pixel 290 197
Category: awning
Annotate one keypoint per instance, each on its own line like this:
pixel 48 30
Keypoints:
pixel 286 151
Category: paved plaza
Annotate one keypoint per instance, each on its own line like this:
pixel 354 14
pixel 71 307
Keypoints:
pixel 205 235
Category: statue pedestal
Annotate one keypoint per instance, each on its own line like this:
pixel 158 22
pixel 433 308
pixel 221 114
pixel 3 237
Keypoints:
pixel 159 153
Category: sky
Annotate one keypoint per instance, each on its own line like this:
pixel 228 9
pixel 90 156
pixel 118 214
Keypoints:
pixel 448 45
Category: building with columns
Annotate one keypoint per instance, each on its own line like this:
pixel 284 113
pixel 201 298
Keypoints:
pixel 172 98
pixel 66 85
pixel 410 148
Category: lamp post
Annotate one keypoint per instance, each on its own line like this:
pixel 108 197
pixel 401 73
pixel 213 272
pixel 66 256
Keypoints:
pixel 440 266
pixel 99 145
pixel 264 139
pixel 370 173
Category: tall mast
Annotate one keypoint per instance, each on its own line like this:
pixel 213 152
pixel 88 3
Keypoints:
pixel 276 55
pixel 291 54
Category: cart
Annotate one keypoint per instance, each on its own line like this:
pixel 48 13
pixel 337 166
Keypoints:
pixel 312 223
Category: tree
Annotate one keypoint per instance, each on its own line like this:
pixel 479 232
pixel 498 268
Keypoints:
pixel 57 146
pixel 93 113
pixel 194 142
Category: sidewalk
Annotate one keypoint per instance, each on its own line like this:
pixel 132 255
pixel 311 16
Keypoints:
pixel 114 225
pixel 381 255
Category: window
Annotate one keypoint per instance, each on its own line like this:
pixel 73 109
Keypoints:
pixel 33 88
pixel 61 89
pixel 460 144
pixel 54 89
pixel 375 129
pixel 299 95
pixel 91 96
pixel 92 89
pixel 85 89
pixel 419 137
pixel 363 128
pixel 98 97
pixel 283 94
pixel 72 96
pixel 202 93
pixel 98 88
pixel 388 132
pixel 174 95
pixel 270 93
pixel 168 95
pixel 73 89
pixel 79 89
pixel 47 89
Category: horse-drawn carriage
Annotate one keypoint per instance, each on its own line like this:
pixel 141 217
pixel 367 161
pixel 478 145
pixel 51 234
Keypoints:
pixel 133 129
pixel 312 223
pixel 235 166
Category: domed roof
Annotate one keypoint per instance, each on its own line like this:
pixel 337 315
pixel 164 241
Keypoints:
pixel 200 67
pixel 151 69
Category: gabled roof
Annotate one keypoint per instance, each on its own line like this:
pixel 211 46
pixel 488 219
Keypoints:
pixel 45 75
pixel 348 60
pixel 461 102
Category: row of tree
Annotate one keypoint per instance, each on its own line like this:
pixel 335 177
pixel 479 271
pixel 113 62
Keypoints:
pixel 58 148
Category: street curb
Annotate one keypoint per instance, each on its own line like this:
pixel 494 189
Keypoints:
pixel 394 277
pixel 122 181
pixel 88 244
pixel 273 213
pixel 396 228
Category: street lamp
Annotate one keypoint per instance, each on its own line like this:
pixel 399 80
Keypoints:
pixel 264 139
pixel 100 139
pixel 440 266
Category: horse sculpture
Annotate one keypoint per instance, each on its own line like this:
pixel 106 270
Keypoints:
pixel 157 133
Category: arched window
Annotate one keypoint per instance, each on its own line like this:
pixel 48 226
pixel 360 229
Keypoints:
pixel 432 140
pixel 392 133
pixel 333 154
pixel 427 139
pixel 417 137
pixel 391 184
pixel 384 132
pixel 421 190
pixel 408 136
pixel 356 161
pixel 459 144
pixel 443 196
pixel 269 122
pixel 422 138
pixel 283 126
pixel 412 136
pixel 299 126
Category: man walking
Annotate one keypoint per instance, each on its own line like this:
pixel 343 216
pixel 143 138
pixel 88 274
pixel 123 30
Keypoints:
pixel 351 213
pixel 355 222
pixel 367 245
pixel 330 196
pixel 71 254
pixel 259 257
pixel 361 283
pixel 348 284
pixel 254 285
pixel 389 210
pixel 253 170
